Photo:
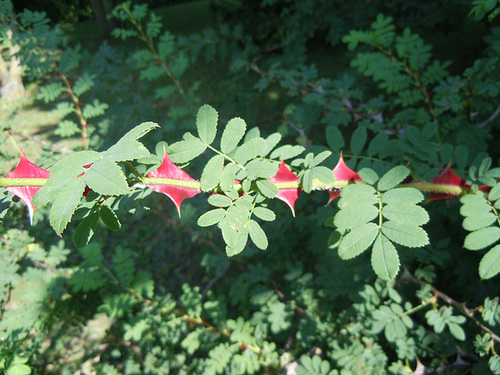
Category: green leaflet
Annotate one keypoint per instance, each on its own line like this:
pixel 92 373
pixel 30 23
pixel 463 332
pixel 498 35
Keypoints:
pixel 357 240
pixel 239 246
pixel 405 234
pixel 287 152
pixel 206 123
pixel 56 183
pixel 186 150
pixel 384 259
pixel 106 178
pixel 490 264
pixel 406 212
pixel 219 200
pixel 494 193
pixel 232 135
pixel 109 218
pixel 368 175
pixel 358 140
pixel 65 203
pixel 354 215
pixel 211 217
pixel 475 222
pixel 261 169
pixel 249 150
pixel 403 194
pixel 323 174
pixel 392 178
pixel 474 204
pixel 271 142
pixel 228 176
pixel 482 238
pixel 212 173
pixel 268 189
pixel 398 220
pixel 126 149
pixel 357 194
pixel 257 235
pixel 85 230
pixel 264 214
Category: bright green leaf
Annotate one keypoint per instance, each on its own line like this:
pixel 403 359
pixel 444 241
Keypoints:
pixel 405 234
pixel 490 264
pixel 392 178
pixel 355 215
pixel 249 150
pixel 233 134
pixel 219 200
pixel 267 188
pixel 385 259
pixel 212 172
pixel 211 217
pixel 106 178
pixel 206 123
pixel 65 203
pixel 187 150
pixel 257 235
pixel 404 194
pixel 482 238
pixel 405 212
pixel 357 240
pixel 264 213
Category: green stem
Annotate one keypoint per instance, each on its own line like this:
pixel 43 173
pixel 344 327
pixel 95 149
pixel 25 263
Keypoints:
pixel 317 185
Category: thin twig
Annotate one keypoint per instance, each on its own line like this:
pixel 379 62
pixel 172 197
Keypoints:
pixel 489 119
pixel 469 313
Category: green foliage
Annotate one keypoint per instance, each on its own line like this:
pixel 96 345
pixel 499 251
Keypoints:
pixel 158 294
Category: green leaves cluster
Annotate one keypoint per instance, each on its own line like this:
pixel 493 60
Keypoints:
pixel 401 63
pixel 238 174
pixel 99 172
pixel 379 215
pixel 481 218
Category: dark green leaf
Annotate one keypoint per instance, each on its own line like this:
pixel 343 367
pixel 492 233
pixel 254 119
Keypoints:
pixel 368 175
pixel 85 230
pixel 334 138
pixel 358 140
pixel 109 218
